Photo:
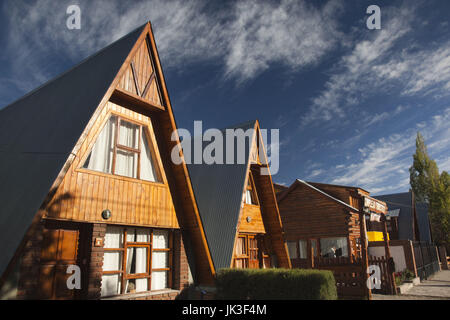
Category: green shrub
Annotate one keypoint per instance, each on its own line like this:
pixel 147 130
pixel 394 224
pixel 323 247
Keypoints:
pixel 275 284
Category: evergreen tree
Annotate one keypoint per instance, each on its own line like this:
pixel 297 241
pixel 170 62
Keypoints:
pixel 428 186
pixel 424 173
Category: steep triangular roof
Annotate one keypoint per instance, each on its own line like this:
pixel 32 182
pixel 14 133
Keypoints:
pixel 219 190
pixel 408 220
pixel 298 182
pixel 40 132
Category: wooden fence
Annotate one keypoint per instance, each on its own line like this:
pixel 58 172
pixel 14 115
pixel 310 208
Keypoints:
pixel 386 281
pixel 349 276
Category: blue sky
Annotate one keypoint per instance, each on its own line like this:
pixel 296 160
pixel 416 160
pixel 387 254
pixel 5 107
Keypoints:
pixel 348 101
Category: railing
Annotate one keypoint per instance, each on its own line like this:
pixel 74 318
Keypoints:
pixel 427 260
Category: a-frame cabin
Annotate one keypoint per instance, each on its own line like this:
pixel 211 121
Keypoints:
pixel 238 207
pixel 87 180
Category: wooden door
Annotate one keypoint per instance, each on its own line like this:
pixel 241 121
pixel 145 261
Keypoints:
pixel 59 250
pixel 253 252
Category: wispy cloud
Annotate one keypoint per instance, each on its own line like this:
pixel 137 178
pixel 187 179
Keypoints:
pixel 245 37
pixel 382 166
pixel 291 33
pixel 355 76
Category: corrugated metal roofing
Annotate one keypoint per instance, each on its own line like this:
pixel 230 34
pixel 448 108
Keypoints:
pixel 393 213
pixel 218 189
pixel 423 221
pixel 38 133
pixel 403 202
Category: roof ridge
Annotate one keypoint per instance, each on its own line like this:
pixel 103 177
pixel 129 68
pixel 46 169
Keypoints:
pixel 326 194
pixel 59 76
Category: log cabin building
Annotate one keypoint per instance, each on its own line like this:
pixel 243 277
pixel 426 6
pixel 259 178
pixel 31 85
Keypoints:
pixel 238 207
pixel 87 180
pixel 325 229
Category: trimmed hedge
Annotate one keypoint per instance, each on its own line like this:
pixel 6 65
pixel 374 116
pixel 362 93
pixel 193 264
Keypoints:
pixel 275 284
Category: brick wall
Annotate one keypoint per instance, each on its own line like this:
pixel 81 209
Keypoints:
pixel 29 268
pixel 95 268
pixel 180 263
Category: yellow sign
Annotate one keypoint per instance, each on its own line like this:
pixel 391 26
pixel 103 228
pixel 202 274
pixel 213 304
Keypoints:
pixel 375 236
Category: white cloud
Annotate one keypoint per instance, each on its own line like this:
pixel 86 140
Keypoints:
pixel 379 62
pixel 245 37
pixel 291 33
pixel 354 75
pixel 382 166
pixel 315 173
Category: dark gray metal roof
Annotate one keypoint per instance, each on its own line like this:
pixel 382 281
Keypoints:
pixel 38 133
pixel 423 221
pixel 218 190
pixel 403 202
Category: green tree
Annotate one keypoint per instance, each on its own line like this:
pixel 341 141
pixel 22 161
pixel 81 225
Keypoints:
pixel 424 173
pixel 428 186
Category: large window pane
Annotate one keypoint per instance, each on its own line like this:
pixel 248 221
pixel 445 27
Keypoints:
pixel 292 248
pixel 159 280
pixel 136 260
pixel 101 156
pixel 160 260
pixel 128 134
pixel 148 163
pixel 112 261
pixel 241 248
pixel 160 239
pixel 334 247
pixel 114 237
pixel 138 235
pixel 110 285
pixel 126 163
pixel 314 246
pixel 303 246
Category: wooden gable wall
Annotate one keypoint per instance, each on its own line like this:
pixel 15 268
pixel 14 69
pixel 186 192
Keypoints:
pixel 175 200
pixel 84 194
pixel 268 208
pixel 140 78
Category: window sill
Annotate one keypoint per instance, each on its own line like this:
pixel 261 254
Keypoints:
pixel 140 295
pixel 118 177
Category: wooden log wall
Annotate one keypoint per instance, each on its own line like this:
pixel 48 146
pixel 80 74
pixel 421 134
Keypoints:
pixel 306 214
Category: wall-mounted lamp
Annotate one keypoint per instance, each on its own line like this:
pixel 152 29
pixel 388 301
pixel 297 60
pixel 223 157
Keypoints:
pixel 106 214
pixel 249 219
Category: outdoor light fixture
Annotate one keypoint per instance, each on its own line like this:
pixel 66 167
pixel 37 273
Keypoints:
pixel 106 214
pixel 249 219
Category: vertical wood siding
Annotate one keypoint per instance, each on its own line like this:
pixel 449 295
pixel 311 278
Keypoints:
pixel 83 194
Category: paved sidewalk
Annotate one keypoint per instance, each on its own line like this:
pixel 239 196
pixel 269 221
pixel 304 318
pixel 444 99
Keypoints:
pixel 437 287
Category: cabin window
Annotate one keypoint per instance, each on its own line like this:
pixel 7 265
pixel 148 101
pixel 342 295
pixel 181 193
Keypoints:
pixel 250 195
pixel 292 248
pixel 241 253
pixel 334 247
pixel 303 249
pixel 135 260
pixel 123 148
pixel 314 246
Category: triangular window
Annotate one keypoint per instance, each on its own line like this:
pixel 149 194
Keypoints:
pixel 250 194
pixel 123 149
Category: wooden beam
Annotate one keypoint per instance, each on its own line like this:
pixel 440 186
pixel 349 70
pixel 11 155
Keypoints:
pixel 126 98
pixel 149 83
